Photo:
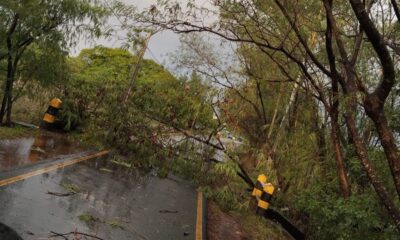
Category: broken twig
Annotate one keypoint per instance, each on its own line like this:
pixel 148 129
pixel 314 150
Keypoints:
pixel 167 211
pixel 60 194
pixel 64 235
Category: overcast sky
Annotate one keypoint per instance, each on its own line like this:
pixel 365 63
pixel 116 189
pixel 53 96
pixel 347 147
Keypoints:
pixel 161 44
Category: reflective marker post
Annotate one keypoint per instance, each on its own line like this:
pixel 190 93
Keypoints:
pixel 264 198
pixel 50 117
pixel 52 111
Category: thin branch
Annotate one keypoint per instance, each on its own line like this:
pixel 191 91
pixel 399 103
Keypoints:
pixel 301 39
pixel 385 85
pixel 74 233
pixel 60 194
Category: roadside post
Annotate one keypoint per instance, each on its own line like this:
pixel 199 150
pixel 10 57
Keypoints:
pixel 265 199
pixel 263 192
pixel 50 117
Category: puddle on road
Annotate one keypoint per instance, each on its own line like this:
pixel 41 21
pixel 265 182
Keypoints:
pixel 24 151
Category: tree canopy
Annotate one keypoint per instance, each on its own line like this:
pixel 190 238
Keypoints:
pixel 30 27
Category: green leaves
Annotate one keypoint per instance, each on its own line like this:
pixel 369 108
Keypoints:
pixel 35 36
pixel 143 126
pixel 332 217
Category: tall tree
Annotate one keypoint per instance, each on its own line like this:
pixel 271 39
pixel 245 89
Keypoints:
pixel 24 23
pixel 282 30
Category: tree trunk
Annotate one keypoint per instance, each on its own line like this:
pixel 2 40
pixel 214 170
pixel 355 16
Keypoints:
pixel 374 103
pixel 337 148
pixel 350 89
pixel 6 98
pixel 335 137
pixel 376 113
pixel 6 103
pixel 371 172
pixel 9 102
pixel 3 106
pixel 8 90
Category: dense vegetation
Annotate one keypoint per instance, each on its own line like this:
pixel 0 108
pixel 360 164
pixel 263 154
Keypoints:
pixel 34 38
pixel 310 87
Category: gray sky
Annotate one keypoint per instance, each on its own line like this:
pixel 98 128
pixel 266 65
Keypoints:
pixel 161 44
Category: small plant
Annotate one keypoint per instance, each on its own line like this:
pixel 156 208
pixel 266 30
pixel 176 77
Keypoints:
pixel 71 188
pixel 87 218
pixel 115 224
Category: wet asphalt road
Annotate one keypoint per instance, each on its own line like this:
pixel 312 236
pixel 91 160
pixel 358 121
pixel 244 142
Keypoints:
pixel 119 203
pixel 16 153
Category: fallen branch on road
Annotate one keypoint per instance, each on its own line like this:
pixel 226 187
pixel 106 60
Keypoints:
pixel 167 211
pixel 64 235
pixel 60 194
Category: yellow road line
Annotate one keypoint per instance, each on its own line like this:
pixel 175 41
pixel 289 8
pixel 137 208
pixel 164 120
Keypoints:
pixel 50 168
pixel 199 217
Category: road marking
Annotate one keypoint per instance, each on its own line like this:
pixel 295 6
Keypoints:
pixel 24 176
pixel 199 218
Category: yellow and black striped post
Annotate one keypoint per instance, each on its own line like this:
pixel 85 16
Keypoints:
pixel 257 191
pixel 265 199
pixel 262 195
pixel 258 188
pixel 52 111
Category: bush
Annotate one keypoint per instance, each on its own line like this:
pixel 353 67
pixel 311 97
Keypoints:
pixel 332 217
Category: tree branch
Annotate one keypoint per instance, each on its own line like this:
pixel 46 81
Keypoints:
pixel 396 9
pixel 385 85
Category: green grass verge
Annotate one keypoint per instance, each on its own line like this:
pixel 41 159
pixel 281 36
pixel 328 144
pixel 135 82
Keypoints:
pixel 258 228
pixel 17 132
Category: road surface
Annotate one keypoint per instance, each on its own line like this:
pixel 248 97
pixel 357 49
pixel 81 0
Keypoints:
pixel 110 201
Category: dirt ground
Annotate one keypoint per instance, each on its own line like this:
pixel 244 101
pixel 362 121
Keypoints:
pixel 221 225
pixel 234 226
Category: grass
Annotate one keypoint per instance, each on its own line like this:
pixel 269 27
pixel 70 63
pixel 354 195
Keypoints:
pixel 259 228
pixel 17 132
pixel 31 109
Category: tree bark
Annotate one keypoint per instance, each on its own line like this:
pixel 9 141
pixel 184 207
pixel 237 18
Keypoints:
pixel 380 189
pixel 337 148
pixel 9 101
pixel 3 104
pixel 386 138
pixel 6 98
pixel 374 102
pixel 350 90
pixel 396 9
pixel 5 107
pixel 334 109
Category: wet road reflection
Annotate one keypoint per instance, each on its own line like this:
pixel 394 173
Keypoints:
pixel 122 204
pixel 24 151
